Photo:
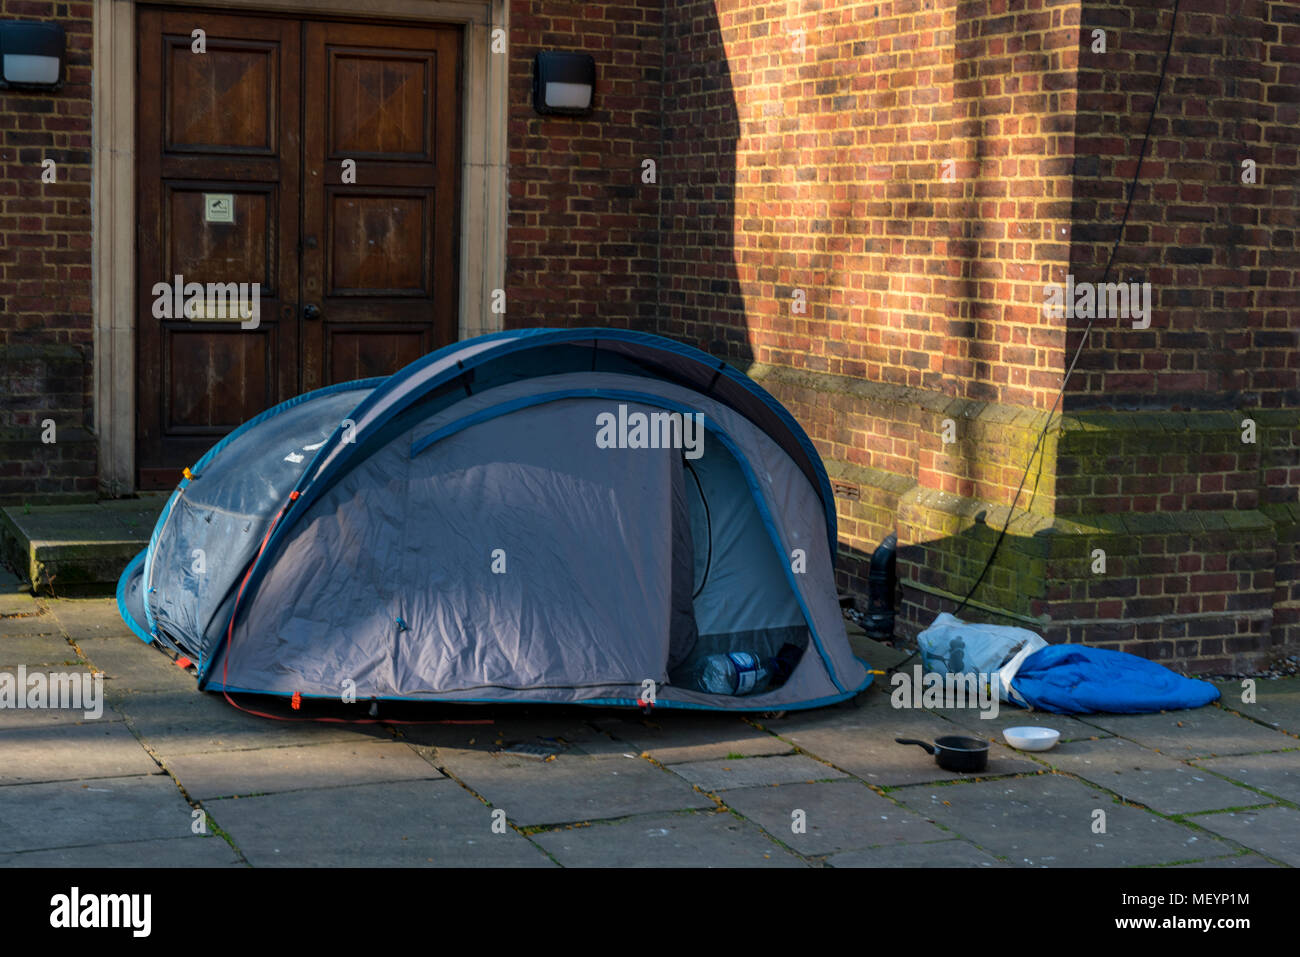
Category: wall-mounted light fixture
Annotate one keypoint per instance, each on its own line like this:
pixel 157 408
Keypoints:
pixel 31 55
pixel 564 83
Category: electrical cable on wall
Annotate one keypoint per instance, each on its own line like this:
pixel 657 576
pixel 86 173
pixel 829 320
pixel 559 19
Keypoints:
pixel 1164 66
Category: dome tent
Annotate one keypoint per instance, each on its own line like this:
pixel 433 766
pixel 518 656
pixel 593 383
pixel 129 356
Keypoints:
pixel 497 522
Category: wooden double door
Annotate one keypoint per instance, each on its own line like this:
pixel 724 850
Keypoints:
pixel 319 161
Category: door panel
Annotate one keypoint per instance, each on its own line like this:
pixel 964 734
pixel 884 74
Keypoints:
pixel 377 244
pixel 222 370
pixel 354 353
pixel 380 103
pixel 242 251
pixel 223 124
pixel 379 257
pixel 224 99
pixel 241 159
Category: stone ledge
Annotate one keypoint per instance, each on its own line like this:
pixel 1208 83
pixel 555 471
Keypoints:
pixel 80 547
pixel 906 397
pixel 1164 422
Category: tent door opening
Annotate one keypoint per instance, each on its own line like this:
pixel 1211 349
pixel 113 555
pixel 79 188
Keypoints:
pixel 740 595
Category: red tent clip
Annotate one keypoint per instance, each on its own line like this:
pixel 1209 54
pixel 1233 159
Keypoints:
pixel 183 662
pixel 296 703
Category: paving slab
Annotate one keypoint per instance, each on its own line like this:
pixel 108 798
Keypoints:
pixel 217 774
pixel 13 602
pixel 128 663
pixel 1277 702
pixel 862 711
pixel 1276 774
pixel 1231 863
pixel 561 731
pixel 1047 821
pixel 702 839
pixel 69 752
pixel 1140 774
pixel 676 738
pixel 77 813
pixel 189 722
pixel 1273 831
pixel 1195 733
pixel 571 788
pixel 432 823
pixel 192 851
pixel 25 625
pixel 880 656
pixel 754 772
pixel 567 736
pixel 88 617
pixel 16 718
pixel 951 853
pixel 870 752
pixel 36 651
pixel 837 816
pixel 1009 716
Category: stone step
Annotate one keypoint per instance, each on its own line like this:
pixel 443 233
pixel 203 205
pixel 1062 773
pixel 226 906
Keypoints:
pixel 76 549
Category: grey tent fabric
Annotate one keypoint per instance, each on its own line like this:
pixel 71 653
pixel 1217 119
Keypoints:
pixel 482 546
pixel 207 536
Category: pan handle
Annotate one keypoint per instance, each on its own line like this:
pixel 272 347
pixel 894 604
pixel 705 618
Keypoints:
pixel 930 749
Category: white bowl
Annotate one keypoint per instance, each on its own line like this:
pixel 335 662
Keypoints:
pixel 1032 738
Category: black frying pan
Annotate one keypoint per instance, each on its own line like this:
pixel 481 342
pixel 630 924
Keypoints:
pixel 955 753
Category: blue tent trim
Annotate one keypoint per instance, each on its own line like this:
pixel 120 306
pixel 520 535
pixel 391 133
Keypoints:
pixel 140 631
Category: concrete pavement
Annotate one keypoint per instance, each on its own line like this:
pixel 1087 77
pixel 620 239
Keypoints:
pixel 171 777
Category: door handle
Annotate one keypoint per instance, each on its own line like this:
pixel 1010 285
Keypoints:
pixel 311 311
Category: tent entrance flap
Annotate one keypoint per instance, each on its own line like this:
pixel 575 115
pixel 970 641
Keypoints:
pixel 742 600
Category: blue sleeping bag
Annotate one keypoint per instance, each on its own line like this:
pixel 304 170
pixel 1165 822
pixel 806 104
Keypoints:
pixel 1075 679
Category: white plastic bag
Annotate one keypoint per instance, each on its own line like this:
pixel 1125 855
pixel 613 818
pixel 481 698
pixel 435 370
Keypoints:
pixel 953 646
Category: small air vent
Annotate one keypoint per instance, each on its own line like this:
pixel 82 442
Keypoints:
pixel 847 490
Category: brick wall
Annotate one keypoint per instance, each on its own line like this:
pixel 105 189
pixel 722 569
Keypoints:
pixel 703 299
pixel 1157 459
pixel 805 154
pixel 45 282
pixel 804 148
pixel 915 174
pixel 582 241
pixel 1220 254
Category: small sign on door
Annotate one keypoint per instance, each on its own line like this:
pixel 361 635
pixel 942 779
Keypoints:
pixel 218 207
